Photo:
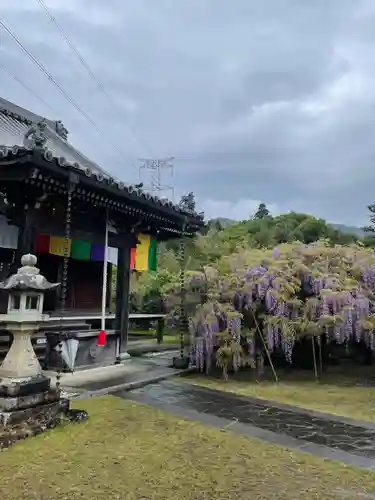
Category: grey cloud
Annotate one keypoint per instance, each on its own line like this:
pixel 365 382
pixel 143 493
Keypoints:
pixel 267 101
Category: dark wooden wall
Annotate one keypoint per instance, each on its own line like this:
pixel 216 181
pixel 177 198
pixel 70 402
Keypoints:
pixel 84 283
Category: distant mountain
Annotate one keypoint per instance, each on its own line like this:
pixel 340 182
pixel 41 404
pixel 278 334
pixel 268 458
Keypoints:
pixel 357 231
pixel 349 229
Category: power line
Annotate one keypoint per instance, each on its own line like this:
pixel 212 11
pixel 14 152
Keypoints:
pixel 31 91
pixel 85 64
pixel 26 87
pixel 52 80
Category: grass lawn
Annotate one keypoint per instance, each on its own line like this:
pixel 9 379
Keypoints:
pixel 337 392
pixel 152 331
pixel 169 340
pixel 169 337
pixel 130 451
pixel 166 340
pixel 143 332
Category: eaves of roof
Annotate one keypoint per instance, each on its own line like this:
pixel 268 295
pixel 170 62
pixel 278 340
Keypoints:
pixel 15 122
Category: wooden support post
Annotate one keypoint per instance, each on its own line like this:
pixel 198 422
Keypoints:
pixel 26 234
pixel 122 300
pixel 160 330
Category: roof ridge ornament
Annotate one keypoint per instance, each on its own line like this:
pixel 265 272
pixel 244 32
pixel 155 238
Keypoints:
pixel 61 130
pixel 36 137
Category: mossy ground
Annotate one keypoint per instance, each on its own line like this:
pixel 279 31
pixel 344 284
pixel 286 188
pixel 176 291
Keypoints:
pixel 131 451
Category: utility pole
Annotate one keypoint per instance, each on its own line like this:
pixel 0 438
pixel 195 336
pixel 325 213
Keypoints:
pixel 153 170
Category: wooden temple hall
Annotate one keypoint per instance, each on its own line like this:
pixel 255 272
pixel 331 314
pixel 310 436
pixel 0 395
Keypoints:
pixel 73 215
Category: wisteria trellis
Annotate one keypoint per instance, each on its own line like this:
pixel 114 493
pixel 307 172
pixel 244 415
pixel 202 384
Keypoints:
pixel 295 290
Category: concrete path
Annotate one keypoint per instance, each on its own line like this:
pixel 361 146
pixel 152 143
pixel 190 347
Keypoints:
pixel 81 379
pixel 327 436
pixel 133 373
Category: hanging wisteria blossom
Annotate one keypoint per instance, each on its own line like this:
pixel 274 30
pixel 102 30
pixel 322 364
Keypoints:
pixel 278 296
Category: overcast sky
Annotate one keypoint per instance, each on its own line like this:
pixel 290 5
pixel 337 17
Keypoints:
pixel 270 101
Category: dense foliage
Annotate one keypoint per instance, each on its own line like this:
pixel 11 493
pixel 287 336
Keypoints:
pixel 257 287
pixel 216 242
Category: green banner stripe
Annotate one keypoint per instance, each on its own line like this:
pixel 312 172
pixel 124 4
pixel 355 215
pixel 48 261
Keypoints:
pixel 81 250
pixel 153 255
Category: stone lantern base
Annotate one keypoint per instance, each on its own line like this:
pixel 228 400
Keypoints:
pixel 23 416
pixel 28 404
pixel 18 409
pixel 25 392
pixel 25 386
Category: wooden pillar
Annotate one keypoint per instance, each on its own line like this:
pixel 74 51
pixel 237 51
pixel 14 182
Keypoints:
pixel 26 223
pixel 122 299
pixel 160 330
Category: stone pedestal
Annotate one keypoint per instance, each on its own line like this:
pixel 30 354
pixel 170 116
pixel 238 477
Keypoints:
pixel 20 361
pixel 36 409
pixel 26 416
pixel 27 402
pixel 20 372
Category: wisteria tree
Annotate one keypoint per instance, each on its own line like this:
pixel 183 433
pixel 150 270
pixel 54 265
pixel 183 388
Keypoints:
pixel 257 301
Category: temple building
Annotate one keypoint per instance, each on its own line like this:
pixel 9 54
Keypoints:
pixel 61 206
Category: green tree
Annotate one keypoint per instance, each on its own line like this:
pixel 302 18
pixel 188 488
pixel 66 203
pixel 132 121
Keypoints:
pixel 262 212
pixel 187 203
pixel 371 227
pixel 312 229
pixel 369 241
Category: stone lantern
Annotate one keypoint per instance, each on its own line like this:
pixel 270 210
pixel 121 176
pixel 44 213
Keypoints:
pixel 25 313
pixel 23 386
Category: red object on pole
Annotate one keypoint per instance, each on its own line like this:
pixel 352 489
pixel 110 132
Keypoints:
pixel 102 338
pixel 132 258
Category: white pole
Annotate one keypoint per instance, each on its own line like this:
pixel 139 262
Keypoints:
pixel 105 266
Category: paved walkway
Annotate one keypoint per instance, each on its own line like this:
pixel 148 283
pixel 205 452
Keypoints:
pixel 133 373
pixel 346 440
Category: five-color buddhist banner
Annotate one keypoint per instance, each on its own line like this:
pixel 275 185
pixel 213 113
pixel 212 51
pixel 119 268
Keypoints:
pixel 143 257
pixel 59 246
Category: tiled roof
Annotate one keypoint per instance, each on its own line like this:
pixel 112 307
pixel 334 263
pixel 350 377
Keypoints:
pixel 16 122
